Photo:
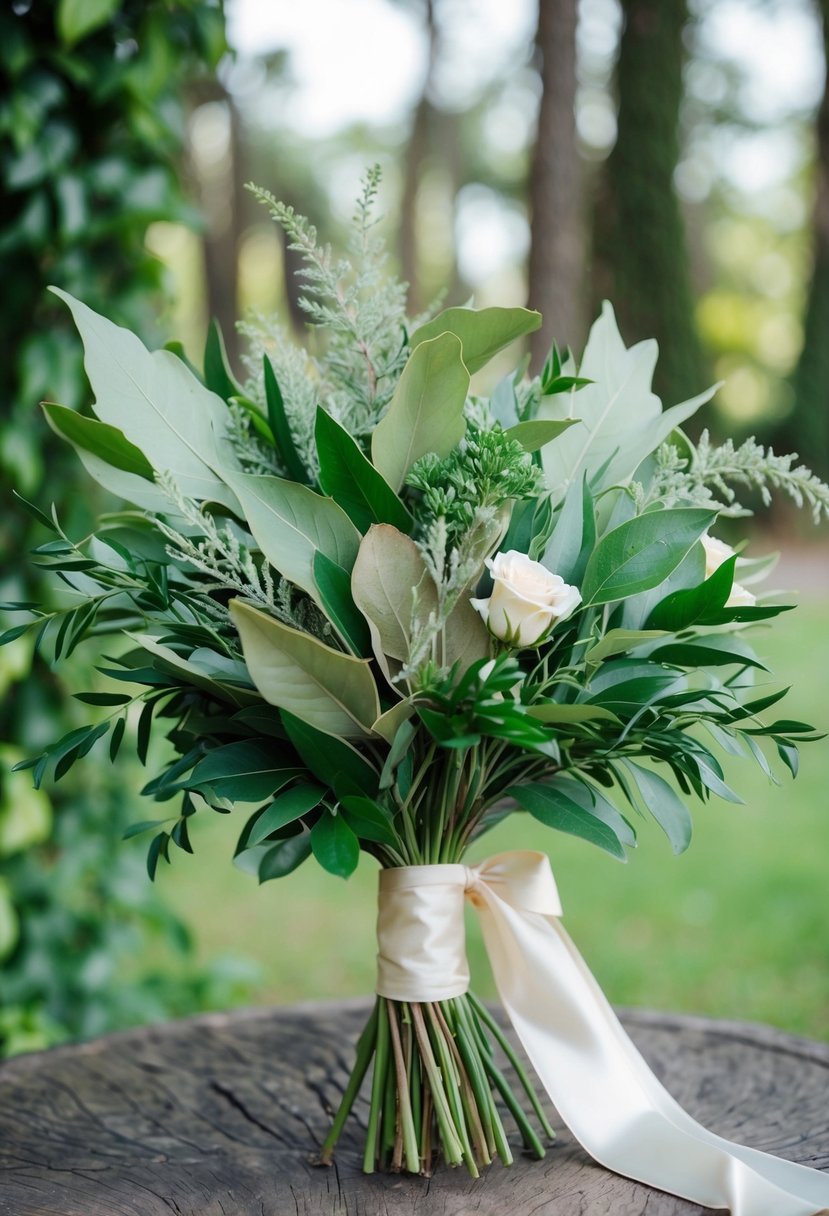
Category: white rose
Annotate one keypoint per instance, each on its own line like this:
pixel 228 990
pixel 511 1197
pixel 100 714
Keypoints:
pixel 526 601
pixel 717 552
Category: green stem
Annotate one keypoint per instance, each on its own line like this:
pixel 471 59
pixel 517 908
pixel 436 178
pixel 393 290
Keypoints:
pixel 452 1148
pixel 378 1081
pixel 528 1135
pixel 407 1123
pixel 500 1038
pixel 365 1050
pixel 451 1082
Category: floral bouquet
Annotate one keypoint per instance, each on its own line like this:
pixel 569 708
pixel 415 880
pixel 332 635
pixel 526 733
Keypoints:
pixel 383 611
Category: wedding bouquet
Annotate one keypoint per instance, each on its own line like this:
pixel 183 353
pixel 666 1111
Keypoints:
pixel 384 611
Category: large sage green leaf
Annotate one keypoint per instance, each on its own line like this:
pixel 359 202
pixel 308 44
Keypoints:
pixel 426 411
pixel 388 569
pixel 331 691
pixel 353 481
pixel 158 404
pixel 109 458
pixel 641 553
pixel 291 523
pixel 620 418
pixel 482 331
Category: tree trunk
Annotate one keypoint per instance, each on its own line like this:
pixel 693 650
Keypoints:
pixel 807 429
pixel 556 269
pixel 640 251
pixel 417 153
pixel 219 186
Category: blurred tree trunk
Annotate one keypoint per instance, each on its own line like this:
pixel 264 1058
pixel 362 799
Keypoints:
pixel 807 429
pixel 556 270
pixel 640 251
pixel 218 182
pixel 418 150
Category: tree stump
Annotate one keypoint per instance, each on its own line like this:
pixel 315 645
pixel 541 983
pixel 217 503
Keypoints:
pixel 219 1115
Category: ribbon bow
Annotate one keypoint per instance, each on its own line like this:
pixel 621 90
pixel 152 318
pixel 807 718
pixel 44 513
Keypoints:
pixel 600 1084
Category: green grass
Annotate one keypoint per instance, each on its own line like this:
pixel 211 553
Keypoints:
pixel 737 927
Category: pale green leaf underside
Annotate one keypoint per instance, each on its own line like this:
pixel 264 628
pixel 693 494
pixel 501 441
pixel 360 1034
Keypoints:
pixel 331 691
pixel 158 404
pixel 620 419
pixel 290 522
pixel 388 569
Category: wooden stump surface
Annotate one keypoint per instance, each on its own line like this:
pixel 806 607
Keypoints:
pixel 218 1115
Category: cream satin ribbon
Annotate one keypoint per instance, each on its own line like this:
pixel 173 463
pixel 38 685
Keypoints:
pixel 598 1081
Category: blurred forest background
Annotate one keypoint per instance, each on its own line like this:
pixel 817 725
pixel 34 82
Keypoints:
pixel 672 156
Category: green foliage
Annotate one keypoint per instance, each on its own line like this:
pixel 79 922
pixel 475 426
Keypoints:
pixel 487 469
pixel 362 311
pixel 306 654
pixel 706 477
pixel 90 135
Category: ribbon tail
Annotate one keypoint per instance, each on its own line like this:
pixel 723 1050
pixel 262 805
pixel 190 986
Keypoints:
pixel 603 1088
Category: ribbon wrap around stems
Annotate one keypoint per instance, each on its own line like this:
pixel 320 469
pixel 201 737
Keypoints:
pixel 595 1076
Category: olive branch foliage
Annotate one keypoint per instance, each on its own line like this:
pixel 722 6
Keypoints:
pixel 620 710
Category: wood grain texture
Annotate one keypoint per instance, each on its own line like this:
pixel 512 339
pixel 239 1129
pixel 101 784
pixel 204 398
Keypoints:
pixel 218 1116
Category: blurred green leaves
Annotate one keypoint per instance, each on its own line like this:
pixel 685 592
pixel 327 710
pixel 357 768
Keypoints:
pixel 91 126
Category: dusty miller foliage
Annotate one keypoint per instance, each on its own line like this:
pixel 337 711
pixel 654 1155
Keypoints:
pixel 360 308
pixel 708 477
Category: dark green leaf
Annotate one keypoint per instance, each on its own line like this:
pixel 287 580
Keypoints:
pixel 103 698
pixel 641 553
pixel 335 846
pixel 552 807
pixel 117 736
pixel 16 631
pixel 145 722
pixel 331 760
pixel 350 478
pixel 708 651
pixel 334 587
pixel 285 857
pixel 291 805
pixel 217 374
pixel 281 428
pixel 369 820
pixel 159 847
pixel 180 836
pixel 35 512
pixel 692 606
pixel 98 438
pixel 246 771
pixel 789 755
pixel 669 811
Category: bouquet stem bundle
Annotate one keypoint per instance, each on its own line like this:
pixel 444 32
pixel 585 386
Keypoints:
pixel 434 1087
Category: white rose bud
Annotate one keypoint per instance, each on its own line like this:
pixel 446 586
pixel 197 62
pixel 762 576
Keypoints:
pixel 526 601
pixel 717 552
